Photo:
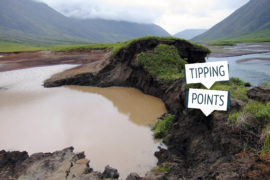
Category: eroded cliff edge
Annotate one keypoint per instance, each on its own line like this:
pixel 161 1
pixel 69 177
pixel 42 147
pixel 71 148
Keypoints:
pixel 199 147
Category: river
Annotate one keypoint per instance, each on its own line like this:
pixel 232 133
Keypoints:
pixel 111 125
pixel 253 68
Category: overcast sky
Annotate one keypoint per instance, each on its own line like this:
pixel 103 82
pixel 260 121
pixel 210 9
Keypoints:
pixel 172 15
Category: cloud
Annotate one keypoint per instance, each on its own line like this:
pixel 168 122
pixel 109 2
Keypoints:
pixel 172 15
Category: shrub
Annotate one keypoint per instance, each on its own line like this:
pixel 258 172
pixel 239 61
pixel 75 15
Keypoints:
pixel 162 126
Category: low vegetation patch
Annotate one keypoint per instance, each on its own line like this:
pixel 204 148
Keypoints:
pixel 163 62
pixel 161 168
pixel 236 87
pixel 6 46
pixel 223 43
pixel 162 126
pixel 83 47
pixel 116 47
pixel 253 108
pixel 264 113
pixel 74 46
pixel 266 146
pixel 233 117
pixel 253 116
pixel 266 85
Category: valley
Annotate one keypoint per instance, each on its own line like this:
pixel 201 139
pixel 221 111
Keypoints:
pixel 96 90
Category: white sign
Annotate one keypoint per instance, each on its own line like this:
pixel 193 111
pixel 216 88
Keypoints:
pixel 207 100
pixel 207 73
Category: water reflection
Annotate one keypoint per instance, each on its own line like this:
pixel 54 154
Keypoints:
pixel 142 109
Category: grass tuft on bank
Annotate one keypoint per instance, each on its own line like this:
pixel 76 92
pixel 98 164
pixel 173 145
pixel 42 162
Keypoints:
pixel 266 146
pixel 161 168
pixel 162 126
pixel 256 111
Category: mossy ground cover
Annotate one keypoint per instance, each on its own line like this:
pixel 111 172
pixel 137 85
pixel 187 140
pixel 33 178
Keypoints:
pixel 164 62
pixel 162 126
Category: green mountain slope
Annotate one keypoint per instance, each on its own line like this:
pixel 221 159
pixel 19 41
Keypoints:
pixel 33 22
pixel 250 22
pixel 189 33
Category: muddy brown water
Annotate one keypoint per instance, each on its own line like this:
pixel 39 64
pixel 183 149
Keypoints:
pixel 111 125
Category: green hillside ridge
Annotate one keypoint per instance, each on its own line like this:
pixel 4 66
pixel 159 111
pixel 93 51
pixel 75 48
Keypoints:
pixel 27 20
pixel 250 23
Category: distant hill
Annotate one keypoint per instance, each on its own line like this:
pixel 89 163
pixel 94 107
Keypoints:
pixel 250 22
pixel 34 22
pixel 189 33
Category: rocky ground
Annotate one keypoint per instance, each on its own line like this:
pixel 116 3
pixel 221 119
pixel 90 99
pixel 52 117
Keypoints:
pixel 63 164
pixel 199 147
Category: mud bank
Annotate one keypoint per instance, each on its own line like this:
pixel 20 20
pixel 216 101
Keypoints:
pixel 13 61
pixel 199 147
